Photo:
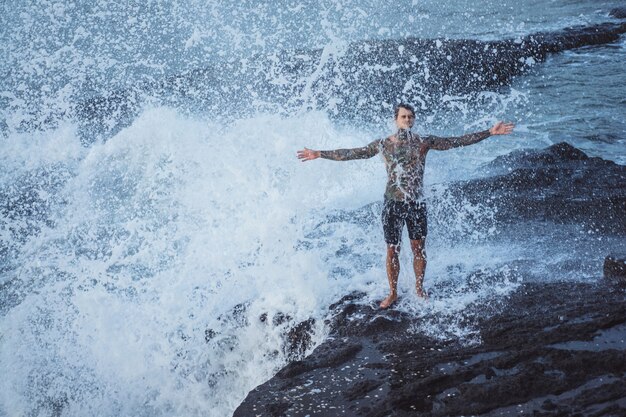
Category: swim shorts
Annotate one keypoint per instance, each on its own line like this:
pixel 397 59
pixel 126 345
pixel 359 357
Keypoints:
pixel 397 213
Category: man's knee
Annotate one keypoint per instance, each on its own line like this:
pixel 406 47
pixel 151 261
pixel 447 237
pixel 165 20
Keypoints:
pixel 393 250
pixel 418 247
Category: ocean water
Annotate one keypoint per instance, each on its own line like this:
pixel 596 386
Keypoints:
pixel 157 268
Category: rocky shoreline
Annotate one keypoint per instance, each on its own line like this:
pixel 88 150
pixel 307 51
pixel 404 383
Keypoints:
pixel 546 349
pixel 555 349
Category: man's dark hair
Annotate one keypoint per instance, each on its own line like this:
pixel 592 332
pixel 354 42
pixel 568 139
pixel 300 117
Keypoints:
pixel 396 110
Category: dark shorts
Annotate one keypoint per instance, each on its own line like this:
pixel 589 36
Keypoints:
pixel 397 213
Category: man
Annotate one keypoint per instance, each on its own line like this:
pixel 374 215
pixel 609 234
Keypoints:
pixel 405 156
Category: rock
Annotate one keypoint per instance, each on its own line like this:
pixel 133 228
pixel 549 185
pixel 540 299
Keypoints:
pixel 552 349
pixel 330 354
pixel 618 12
pixel 558 154
pixel 559 184
pixel 615 268
pixel 296 337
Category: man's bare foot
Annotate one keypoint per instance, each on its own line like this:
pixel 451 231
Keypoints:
pixel 421 293
pixel 387 302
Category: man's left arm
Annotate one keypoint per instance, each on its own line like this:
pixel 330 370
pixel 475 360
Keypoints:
pixel 442 144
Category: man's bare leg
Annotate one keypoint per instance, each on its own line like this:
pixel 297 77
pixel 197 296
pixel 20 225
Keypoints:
pixel 393 270
pixel 419 265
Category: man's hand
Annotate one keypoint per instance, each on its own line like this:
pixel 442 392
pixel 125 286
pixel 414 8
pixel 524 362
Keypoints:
pixel 308 154
pixel 501 128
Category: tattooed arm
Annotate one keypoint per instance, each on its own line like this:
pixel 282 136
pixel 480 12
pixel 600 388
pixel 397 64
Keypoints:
pixel 341 154
pixel 442 144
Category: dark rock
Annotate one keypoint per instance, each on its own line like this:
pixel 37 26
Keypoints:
pixel 277 409
pixel 560 184
pixel 332 353
pixel 361 389
pixel 618 12
pixel 558 154
pixel 298 339
pixel 615 268
pixel 354 296
pixel 548 351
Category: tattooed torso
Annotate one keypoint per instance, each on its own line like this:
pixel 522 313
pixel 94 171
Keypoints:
pixel 405 156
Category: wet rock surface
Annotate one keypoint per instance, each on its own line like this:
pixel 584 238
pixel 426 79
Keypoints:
pixel 555 349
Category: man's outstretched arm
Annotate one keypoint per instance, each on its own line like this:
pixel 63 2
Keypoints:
pixel 341 154
pixel 442 144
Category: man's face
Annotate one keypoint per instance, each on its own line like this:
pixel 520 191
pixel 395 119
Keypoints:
pixel 405 119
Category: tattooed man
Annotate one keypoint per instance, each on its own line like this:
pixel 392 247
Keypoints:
pixel 404 154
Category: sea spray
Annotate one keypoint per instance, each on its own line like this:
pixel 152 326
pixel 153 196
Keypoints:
pixel 159 234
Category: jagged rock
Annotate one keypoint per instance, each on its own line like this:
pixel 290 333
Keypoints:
pixel 333 353
pixel 559 154
pixel 553 349
pixel 296 338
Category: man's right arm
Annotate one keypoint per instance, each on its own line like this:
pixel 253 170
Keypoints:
pixel 342 154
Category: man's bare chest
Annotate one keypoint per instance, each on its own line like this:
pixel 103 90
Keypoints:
pixel 406 153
